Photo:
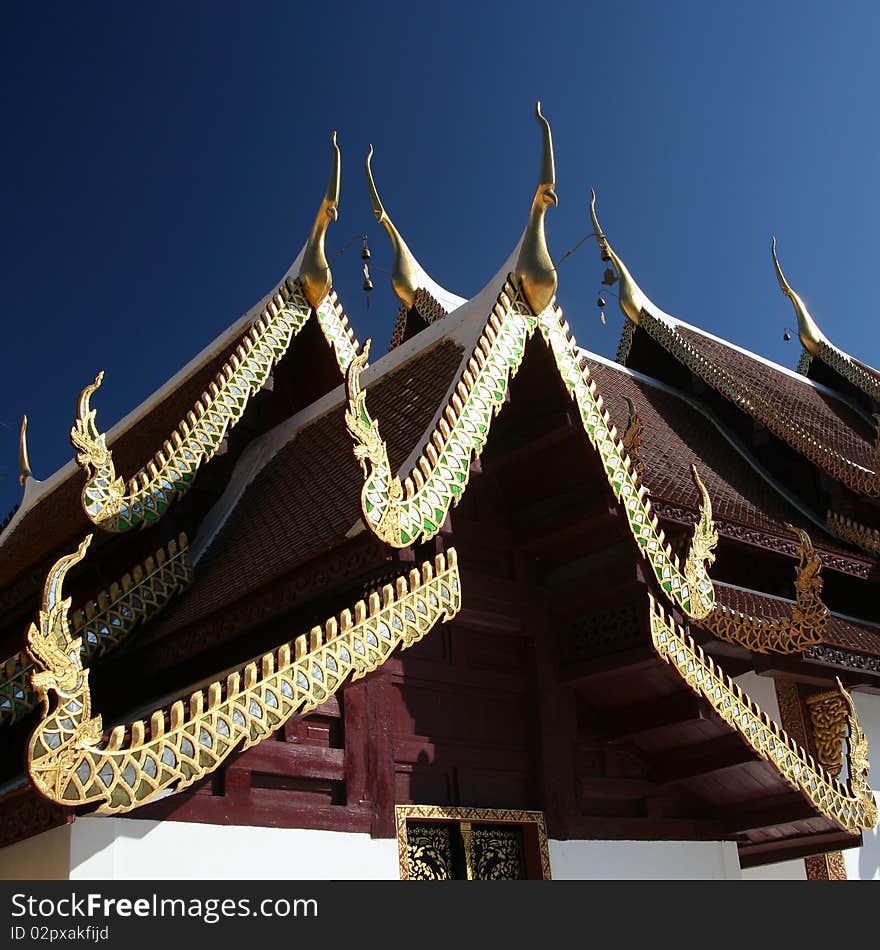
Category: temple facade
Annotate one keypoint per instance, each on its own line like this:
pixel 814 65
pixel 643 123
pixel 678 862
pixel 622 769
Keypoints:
pixel 484 606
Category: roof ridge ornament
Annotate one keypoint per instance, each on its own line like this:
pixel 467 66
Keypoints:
pixel 804 625
pixel 808 331
pixel 534 269
pixel 405 269
pixel 314 272
pixel 630 296
pixel 851 804
pixel 24 465
pixel 71 761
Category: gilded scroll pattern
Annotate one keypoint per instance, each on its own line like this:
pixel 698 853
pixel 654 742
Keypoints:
pixel 868 539
pixel 495 854
pixel 870 385
pixel 849 473
pixel 689 585
pixel 805 625
pixel 469 820
pixel 632 437
pixel 851 805
pixel 427 307
pixel 401 513
pixel 828 718
pixel 116 505
pixel 106 621
pixel 429 852
pixel 337 331
pixel 625 344
pixel 71 762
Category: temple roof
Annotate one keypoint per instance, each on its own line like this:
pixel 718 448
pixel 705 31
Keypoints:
pixel 324 478
pixel 305 500
pixel 679 432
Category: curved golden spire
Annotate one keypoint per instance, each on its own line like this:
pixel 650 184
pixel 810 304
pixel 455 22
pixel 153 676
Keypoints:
pixel 810 334
pixel 534 266
pixel 632 300
pixel 404 271
pixel 314 272
pixel 24 465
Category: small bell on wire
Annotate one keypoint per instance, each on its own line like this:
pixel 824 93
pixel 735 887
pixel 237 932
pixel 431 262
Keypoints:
pixel 786 335
pixel 365 253
pixel 600 303
pixel 609 278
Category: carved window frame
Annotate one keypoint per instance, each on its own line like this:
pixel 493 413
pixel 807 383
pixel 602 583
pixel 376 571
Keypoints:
pixel 531 823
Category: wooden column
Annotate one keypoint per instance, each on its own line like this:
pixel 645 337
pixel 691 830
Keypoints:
pixel 555 727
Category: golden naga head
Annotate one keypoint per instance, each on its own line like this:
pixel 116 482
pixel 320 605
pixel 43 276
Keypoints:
pixel 535 270
pixel 404 270
pixel 632 300
pixel 314 272
pixel 810 334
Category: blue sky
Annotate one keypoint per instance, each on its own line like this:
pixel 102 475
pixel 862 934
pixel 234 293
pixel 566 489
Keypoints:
pixel 164 162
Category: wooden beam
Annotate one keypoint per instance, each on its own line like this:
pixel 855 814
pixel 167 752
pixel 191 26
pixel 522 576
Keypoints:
pixel 714 755
pixel 801 846
pixel 783 810
pixel 631 661
pixel 623 724
pixel 615 789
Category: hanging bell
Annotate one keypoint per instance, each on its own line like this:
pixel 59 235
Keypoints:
pixel 606 256
pixel 365 253
pixel 786 336
pixel 609 278
pixel 600 303
pixel 368 284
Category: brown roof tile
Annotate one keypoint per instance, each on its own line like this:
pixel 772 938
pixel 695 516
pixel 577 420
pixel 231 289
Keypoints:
pixel 308 496
pixel 841 632
pixel 827 418
pixel 675 436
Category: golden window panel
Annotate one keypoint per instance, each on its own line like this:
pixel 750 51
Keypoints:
pixel 446 843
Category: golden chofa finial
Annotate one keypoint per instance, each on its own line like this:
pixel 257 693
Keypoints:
pixel 24 465
pixel 404 270
pixel 534 267
pixel 314 272
pixel 811 336
pixel 632 300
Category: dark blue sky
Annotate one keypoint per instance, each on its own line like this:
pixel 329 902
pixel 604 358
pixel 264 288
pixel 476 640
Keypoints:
pixel 163 164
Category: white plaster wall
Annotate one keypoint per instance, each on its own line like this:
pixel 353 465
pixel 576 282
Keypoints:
pixel 644 861
pixel 45 857
pixel 781 871
pixel 130 849
pixel 762 690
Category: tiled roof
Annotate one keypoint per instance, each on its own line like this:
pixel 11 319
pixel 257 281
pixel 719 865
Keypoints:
pixel 307 497
pixel 677 435
pixel 842 632
pixel 58 516
pixel 826 417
